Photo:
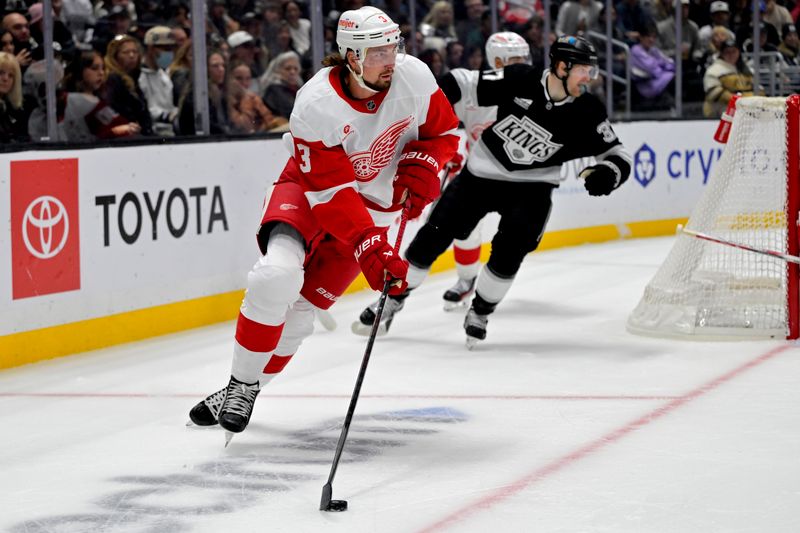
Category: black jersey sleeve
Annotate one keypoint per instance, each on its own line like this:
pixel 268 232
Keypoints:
pixel 496 87
pixel 450 88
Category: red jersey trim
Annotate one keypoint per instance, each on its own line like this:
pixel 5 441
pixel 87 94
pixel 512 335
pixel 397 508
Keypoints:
pixel 368 105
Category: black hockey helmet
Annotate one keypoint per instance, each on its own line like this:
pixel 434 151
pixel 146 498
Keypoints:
pixel 573 51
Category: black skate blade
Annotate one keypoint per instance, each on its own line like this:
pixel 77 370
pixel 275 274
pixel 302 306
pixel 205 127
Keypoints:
pixel 228 437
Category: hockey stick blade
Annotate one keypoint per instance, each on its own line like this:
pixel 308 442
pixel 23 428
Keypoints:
pixel 719 240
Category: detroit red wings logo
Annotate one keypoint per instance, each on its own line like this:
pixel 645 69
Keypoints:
pixel 370 162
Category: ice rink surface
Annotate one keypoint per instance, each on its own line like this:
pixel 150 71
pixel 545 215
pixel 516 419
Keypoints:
pixel 560 421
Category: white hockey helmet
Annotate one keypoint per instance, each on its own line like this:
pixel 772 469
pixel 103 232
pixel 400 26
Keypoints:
pixel 363 28
pixel 505 45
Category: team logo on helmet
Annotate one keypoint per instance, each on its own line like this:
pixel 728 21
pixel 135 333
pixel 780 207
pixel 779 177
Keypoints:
pixel 370 162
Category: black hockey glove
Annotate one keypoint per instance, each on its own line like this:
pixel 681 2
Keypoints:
pixel 600 179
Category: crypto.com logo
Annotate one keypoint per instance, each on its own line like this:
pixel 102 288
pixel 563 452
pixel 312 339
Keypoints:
pixel 44 221
pixel 644 165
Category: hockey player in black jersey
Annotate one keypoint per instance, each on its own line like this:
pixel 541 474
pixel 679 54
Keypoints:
pixel 544 118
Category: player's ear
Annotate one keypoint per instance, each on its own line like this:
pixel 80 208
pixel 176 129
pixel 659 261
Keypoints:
pixel 351 61
pixel 498 63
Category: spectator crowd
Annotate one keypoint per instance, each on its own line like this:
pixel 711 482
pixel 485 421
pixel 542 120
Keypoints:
pixel 124 67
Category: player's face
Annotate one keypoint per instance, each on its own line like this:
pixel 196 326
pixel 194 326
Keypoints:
pixel 579 78
pixel 379 66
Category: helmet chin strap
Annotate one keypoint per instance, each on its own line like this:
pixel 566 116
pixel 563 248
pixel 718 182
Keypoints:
pixel 564 79
pixel 583 88
pixel 360 77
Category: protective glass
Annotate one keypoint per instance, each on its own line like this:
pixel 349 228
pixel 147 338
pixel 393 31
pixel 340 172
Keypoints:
pixel 381 56
pixel 587 70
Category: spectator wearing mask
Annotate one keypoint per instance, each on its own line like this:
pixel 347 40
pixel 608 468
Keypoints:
pixel 727 75
pixel 121 90
pixel 249 114
pixel 13 123
pixel 24 45
pixel 154 81
pixel 281 82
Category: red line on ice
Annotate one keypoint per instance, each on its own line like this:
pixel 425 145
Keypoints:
pixel 553 467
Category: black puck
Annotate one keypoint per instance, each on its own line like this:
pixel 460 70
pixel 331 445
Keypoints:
pixel 337 506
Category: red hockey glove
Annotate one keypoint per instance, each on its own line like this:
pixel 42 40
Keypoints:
pixel 600 179
pixel 378 259
pixel 417 173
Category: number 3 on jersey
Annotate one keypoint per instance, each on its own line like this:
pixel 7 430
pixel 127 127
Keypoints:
pixel 305 157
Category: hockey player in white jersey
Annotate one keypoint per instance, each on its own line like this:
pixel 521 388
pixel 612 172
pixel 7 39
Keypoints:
pixel 544 118
pixel 459 85
pixel 370 133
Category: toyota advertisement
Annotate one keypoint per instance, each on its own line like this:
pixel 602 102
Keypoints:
pixel 93 234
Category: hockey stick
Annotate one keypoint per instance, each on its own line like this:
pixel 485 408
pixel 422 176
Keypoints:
pixel 718 240
pixel 327 504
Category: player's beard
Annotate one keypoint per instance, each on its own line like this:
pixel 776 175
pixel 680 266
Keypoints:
pixel 380 85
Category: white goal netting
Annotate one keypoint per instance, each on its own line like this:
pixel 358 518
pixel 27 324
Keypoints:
pixel 707 290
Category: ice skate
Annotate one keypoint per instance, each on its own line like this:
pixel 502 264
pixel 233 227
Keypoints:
pixel 475 327
pixel 234 415
pixel 363 326
pixel 457 295
pixel 206 413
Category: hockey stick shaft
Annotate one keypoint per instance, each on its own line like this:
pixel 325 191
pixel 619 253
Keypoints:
pixel 719 240
pixel 327 489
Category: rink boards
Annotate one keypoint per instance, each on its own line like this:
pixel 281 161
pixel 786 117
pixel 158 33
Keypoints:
pixel 109 245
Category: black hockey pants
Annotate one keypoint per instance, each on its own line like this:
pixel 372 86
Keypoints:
pixel 523 207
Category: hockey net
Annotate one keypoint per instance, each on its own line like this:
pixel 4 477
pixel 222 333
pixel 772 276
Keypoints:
pixel 708 290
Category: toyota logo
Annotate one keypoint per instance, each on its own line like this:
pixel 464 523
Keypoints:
pixel 39 224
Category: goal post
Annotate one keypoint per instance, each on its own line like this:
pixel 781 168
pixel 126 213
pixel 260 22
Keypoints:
pixel 712 289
